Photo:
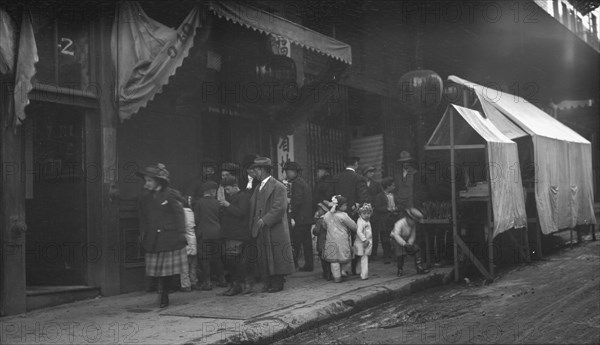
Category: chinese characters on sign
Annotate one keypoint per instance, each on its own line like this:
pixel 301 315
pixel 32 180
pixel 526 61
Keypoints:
pixel 285 153
pixel 280 46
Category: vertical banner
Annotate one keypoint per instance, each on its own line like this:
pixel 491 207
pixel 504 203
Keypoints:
pixel 285 153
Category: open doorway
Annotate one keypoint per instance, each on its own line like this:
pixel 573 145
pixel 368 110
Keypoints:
pixel 55 191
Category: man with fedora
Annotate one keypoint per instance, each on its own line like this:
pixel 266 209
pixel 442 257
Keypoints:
pixel 301 215
pixel 269 226
pixel 353 187
pixel 403 235
pixel 325 186
pixel 405 182
pixel 248 181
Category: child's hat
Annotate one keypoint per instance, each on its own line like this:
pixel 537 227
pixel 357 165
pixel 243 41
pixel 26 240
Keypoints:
pixel 208 185
pixel 365 209
pixel 415 214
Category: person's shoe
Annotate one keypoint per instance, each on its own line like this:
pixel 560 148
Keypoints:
pixel 235 290
pixel 186 289
pixel 197 287
pixel 329 277
pixel 400 272
pixel 164 300
pixel 248 289
pixel 206 286
pixel 421 270
pixel 337 280
pixel 228 290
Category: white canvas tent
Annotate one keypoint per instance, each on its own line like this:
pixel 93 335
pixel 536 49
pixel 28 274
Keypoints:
pixel 562 158
pixel 466 129
pixel 508 203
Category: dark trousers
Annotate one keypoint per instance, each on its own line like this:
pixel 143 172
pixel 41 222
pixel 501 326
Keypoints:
pixel 375 226
pixel 236 266
pixel 325 266
pixel 301 237
pixel 386 225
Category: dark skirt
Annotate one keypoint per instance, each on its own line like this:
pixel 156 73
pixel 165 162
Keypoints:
pixel 163 264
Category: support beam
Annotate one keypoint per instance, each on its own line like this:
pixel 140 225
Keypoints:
pixel 471 256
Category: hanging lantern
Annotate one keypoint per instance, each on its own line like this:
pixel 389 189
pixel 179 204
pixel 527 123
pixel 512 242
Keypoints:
pixel 277 76
pixel 453 94
pixel 420 90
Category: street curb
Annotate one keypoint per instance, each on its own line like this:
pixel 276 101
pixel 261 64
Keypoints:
pixel 293 320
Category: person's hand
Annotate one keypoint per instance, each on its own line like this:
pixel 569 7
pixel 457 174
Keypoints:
pixel 224 203
pixel 293 222
pixel 260 224
pixel 366 244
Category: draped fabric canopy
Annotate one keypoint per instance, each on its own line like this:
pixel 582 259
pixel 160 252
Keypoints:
pixel 7 43
pixel 146 53
pixel 562 158
pixel 508 204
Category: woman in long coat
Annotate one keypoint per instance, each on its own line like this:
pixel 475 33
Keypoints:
pixel 338 245
pixel 162 228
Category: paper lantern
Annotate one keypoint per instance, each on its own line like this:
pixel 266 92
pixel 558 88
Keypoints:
pixel 420 90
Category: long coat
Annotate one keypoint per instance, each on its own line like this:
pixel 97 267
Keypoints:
pixel 273 240
pixel 338 246
pixel 301 202
pixel 162 221
pixel 352 186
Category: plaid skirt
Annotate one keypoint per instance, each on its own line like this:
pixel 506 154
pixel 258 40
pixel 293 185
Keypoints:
pixel 168 263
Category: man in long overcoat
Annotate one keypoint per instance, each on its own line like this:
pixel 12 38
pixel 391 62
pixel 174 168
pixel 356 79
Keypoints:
pixel 269 226
pixel 353 187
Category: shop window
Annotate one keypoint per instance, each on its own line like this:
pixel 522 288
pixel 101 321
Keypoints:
pixel 63 50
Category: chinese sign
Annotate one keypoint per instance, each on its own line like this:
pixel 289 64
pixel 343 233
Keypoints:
pixel 280 45
pixel 285 153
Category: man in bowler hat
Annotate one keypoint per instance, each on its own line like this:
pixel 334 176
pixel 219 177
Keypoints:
pixel 269 226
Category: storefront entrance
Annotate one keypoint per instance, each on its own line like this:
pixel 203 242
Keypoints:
pixel 55 191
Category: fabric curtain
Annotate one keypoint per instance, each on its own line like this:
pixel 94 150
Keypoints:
pixel 7 43
pixel 26 59
pixel 146 53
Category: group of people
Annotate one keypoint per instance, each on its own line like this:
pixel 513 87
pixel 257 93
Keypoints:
pixel 254 228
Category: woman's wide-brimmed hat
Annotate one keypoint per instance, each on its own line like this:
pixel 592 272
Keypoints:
pixel 262 162
pixel 367 169
pixel 405 157
pixel 415 214
pixel 231 167
pixel 158 171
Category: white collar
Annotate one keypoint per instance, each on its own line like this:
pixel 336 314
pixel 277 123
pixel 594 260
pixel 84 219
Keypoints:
pixel 348 168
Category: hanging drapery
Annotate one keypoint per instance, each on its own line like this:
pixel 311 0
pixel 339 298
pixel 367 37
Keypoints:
pixel 7 43
pixel 26 60
pixel 146 53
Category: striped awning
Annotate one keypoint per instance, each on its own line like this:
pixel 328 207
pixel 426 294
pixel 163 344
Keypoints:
pixel 271 24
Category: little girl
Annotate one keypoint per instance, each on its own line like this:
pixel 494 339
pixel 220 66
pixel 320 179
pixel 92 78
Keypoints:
pixel 338 248
pixel 363 244
pixel 320 231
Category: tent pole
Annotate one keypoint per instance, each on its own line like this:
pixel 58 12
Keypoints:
pixel 453 188
pixel 490 224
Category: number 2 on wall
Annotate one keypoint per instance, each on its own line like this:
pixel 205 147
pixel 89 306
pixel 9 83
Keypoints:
pixel 66 45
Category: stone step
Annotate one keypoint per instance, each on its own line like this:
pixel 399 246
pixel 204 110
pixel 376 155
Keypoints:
pixel 48 296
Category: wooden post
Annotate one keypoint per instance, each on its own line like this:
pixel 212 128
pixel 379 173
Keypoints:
pixel 490 223
pixel 12 213
pixel 453 188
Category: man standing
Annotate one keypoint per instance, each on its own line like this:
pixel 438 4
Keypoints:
pixel 269 226
pixel 405 182
pixel 373 188
pixel 301 215
pixel 325 186
pixel 353 187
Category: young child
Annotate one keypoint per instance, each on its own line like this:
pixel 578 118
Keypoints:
pixel 320 231
pixel 338 248
pixel 363 244
pixel 208 234
pixel 403 237
pixel 189 278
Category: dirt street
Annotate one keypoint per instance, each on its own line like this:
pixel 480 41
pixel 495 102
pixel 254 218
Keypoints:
pixel 556 300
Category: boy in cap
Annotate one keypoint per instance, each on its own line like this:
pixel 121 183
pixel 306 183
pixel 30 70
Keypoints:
pixel 235 232
pixel 208 235
pixel 301 213
pixel 404 234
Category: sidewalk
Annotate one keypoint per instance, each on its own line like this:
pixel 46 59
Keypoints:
pixel 206 317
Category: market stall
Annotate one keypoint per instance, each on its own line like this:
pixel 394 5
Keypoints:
pixel 463 129
pixel 561 162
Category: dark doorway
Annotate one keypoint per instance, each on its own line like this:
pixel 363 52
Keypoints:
pixel 55 195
